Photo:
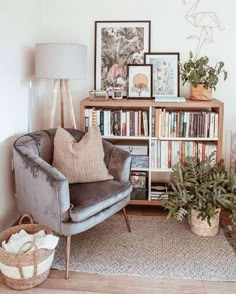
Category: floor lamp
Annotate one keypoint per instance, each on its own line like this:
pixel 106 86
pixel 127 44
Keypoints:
pixel 61 62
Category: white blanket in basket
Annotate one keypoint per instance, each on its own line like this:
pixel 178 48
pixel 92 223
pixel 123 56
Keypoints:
pixel 40 239
pixel 22 241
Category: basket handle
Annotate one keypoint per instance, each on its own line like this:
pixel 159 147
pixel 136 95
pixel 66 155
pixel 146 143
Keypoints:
pixel 27 216
pixel 20 253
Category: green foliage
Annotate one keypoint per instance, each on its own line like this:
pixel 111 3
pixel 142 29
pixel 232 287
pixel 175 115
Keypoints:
pixel 199 72
pixel 203 186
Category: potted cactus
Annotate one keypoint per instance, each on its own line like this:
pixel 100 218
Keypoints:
pixel 202 77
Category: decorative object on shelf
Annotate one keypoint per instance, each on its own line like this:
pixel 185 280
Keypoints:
pixel 117 93
pixel 202 77
pixel 165 76
pixel 98 95
pixel 170 99
pixel 139 161
pixel 204 187
pixel 118 43
pixel 61 62
pixel 139 81
pixel 139 182
pixel 138 179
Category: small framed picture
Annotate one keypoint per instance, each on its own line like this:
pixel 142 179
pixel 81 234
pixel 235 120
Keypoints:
pixel 165 75
pixel 139 81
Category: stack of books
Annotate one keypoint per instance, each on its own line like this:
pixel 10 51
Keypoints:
pixel 159 191
pixel 169 99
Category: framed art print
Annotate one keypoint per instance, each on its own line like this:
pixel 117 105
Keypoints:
pixel 165 76
pixel 139 81
pixel 118 43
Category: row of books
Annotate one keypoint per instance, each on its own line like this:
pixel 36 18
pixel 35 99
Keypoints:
pixel 164 154
pixel 118 122
pixel 184 124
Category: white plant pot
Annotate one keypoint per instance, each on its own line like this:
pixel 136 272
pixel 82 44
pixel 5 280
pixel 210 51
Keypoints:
pixel 201 227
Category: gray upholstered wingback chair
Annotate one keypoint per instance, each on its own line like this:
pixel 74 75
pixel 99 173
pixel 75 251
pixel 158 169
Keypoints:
pixel 67 209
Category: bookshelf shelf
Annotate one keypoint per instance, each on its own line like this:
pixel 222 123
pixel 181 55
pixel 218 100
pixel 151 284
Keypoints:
pixel 184 139
pixel 163 170
pixel 185 128
pixel 139 138
pixel 140 169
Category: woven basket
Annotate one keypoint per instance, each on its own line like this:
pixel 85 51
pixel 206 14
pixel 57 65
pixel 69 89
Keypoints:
pixel 25 270
pixel 201 227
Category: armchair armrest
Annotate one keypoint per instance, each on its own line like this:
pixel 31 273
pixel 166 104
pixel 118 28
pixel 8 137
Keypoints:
pixel 41 189
pixel 118 162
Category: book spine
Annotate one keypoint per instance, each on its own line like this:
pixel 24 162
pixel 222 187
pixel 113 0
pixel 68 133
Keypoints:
pixel 102 122
pixel 128 123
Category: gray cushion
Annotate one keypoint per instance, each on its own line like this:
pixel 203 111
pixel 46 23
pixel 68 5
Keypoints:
pixel 85 202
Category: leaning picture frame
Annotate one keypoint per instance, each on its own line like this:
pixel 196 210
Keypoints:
pixel 165 76
pixel 118 43
pixel 139 81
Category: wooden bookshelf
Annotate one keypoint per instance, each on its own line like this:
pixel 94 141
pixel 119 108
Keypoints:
pixel 214 105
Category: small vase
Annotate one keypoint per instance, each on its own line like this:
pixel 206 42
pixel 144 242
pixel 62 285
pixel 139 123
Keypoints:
pixel 201 227
pixel 200 93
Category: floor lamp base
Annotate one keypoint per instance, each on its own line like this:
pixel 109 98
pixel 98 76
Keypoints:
pixel 65 98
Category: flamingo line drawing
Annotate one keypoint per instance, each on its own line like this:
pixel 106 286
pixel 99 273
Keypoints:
pixel 206 21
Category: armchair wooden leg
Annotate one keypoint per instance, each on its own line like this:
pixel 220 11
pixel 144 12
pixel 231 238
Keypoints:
pixel 68 243
pixel 126 219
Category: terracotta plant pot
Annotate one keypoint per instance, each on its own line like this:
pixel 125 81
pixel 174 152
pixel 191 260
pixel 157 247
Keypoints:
pixel 200 93
pixel 201 227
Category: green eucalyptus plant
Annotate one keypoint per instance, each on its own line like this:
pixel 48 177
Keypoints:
pixel 203 186
pixel 199 72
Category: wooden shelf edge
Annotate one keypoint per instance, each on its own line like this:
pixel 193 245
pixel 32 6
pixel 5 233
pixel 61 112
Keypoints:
pixel 145 202
pixel 185 139
pixel 140 138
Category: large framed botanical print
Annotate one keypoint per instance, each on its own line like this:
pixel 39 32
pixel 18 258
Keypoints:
pixel 165 76
pixel 118 43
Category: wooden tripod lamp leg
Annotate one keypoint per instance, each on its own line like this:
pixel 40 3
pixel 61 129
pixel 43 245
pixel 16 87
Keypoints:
pixel 62 103
pixel 71 111
pixel 54 103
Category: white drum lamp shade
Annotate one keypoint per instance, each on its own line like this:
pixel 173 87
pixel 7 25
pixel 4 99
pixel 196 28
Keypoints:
pixel 60 61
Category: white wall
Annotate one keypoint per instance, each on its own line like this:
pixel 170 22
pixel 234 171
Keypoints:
pixel 18 25
pixel 73 21
pixel 26 22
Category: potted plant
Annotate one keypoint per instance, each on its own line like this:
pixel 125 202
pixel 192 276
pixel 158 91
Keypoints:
pixel 202 77
pixel 199 191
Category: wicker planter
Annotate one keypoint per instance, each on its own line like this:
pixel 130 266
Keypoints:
pixel 201 227
pixel 25 270
pixel 200 93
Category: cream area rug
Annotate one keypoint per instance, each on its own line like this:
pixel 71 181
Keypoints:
pixel 156 247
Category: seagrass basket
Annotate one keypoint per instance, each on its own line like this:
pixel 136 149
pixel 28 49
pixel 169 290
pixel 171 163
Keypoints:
pixel 25 270
pixel 201 227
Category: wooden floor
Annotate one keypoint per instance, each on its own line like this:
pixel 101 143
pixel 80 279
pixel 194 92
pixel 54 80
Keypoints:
pixel 96 283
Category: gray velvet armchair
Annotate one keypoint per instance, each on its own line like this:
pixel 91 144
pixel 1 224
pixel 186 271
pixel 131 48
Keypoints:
pixel 67 209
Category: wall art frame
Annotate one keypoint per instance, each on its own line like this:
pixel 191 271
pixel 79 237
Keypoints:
pixel 165 73
pixel 140 81
pixel 118 43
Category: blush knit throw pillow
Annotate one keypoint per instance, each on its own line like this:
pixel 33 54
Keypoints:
pixel 83 161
